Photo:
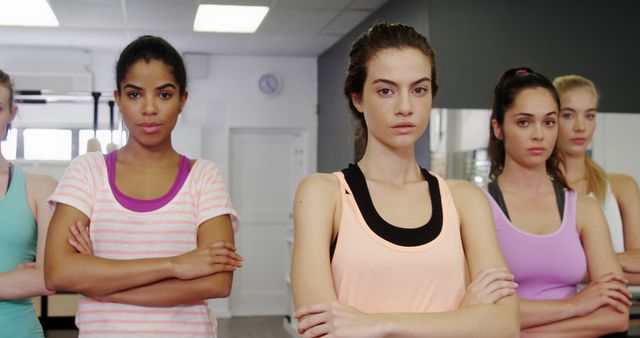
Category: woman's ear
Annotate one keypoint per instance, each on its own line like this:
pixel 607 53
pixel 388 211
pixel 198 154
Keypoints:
pixel 116 96
pixel 497 129
pixel 357 102
pixel 14 111
pixel 183 100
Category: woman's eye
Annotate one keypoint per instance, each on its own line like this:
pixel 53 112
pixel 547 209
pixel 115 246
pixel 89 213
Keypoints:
pixel 522 123
pixel 567 116
pixel 385 92
pixel 550 123
pixel 133 95
pixel 591 117
pixel 421 90
pixel 165 95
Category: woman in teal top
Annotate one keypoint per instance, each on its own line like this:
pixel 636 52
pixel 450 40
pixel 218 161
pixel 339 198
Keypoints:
pixel 24 218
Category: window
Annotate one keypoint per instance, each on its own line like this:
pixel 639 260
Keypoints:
pixel 47 144
pixel 104 136
pixel 10 146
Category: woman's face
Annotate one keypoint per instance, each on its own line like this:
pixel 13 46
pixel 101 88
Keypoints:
pixel 150 102
pixel 577 121
pixel 7 111
pixel 530 128
pixel 396 97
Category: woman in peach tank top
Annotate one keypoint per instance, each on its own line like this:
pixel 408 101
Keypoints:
pixel 380 247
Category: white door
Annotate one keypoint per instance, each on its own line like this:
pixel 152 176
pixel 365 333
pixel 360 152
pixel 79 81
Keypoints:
pixel 265 168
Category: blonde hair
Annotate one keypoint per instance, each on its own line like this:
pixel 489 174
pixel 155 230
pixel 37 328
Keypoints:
pixel 596 176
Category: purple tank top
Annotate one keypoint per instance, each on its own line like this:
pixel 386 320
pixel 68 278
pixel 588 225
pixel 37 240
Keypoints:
pixel 140 205
pixel 546 267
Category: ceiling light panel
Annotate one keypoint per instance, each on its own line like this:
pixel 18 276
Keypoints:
pixel 229 19
pixel 27 13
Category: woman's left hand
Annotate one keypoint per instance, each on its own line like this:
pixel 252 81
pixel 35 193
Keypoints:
pixel 80 240
pixel 336 320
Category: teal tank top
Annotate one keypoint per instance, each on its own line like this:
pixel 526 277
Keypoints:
pixel 18 236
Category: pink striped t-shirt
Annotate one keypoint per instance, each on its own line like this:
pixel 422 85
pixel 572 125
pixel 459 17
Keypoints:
pixel 119 233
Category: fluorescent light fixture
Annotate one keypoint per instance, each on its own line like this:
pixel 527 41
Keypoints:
pixel 27 13
pixel 229 19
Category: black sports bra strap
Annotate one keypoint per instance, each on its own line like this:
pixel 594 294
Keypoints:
pixel 559 190
pixel 496 193
pixel 10 176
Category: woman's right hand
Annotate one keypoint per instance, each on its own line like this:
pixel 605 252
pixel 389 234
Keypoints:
pixel 208 260
pixel 609 289
pixel 489 286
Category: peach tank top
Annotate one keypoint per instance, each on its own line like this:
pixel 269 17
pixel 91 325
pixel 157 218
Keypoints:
pixel 381 268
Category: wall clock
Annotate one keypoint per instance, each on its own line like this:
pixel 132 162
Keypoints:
pixel 270 84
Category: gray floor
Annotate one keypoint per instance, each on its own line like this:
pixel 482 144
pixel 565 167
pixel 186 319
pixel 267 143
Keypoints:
pixel 236 327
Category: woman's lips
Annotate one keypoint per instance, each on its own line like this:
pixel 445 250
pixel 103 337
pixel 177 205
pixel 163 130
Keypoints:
pixel 579 140
pixel 149 128
pixel 536 150
pixel 404 128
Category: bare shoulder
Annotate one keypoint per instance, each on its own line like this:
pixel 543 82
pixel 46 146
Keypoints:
pixel 621 179
pixel 40 186
pixel 585 204
pixel 588 211
pixel 464 191
pixel 622 184
pixel 471 203
pixel 317 196
pixel 319 184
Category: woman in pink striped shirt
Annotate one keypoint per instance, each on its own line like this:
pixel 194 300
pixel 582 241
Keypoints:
pixel 159 224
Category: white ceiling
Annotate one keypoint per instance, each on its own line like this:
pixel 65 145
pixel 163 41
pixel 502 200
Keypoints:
pixel 291 28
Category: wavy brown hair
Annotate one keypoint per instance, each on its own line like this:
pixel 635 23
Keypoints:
pixel 511 83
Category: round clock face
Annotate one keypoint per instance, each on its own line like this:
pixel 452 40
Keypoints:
pixel 269 84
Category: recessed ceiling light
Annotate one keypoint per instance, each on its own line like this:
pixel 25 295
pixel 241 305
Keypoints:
pixel 27 13
pixel 229 19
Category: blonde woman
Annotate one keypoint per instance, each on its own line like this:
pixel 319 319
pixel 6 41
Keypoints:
pixel 618 194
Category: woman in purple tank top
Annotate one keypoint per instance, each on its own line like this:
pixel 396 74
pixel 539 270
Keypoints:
pixel 548 234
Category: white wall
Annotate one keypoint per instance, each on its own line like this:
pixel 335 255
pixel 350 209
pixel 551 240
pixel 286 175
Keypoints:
pixel 229 98
pixel 616 142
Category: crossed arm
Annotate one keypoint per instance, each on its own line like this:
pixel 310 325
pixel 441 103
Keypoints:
pixel 492 312
pixel 27 280
pixel 625 189
pixel 602 306
pixel 203 273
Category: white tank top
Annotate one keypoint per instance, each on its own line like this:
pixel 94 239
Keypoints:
pixel 614 219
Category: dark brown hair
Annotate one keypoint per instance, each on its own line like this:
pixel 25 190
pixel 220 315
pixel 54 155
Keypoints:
pixel 380 36
pixel 5 81
pixel 149 48
pixel 511 83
